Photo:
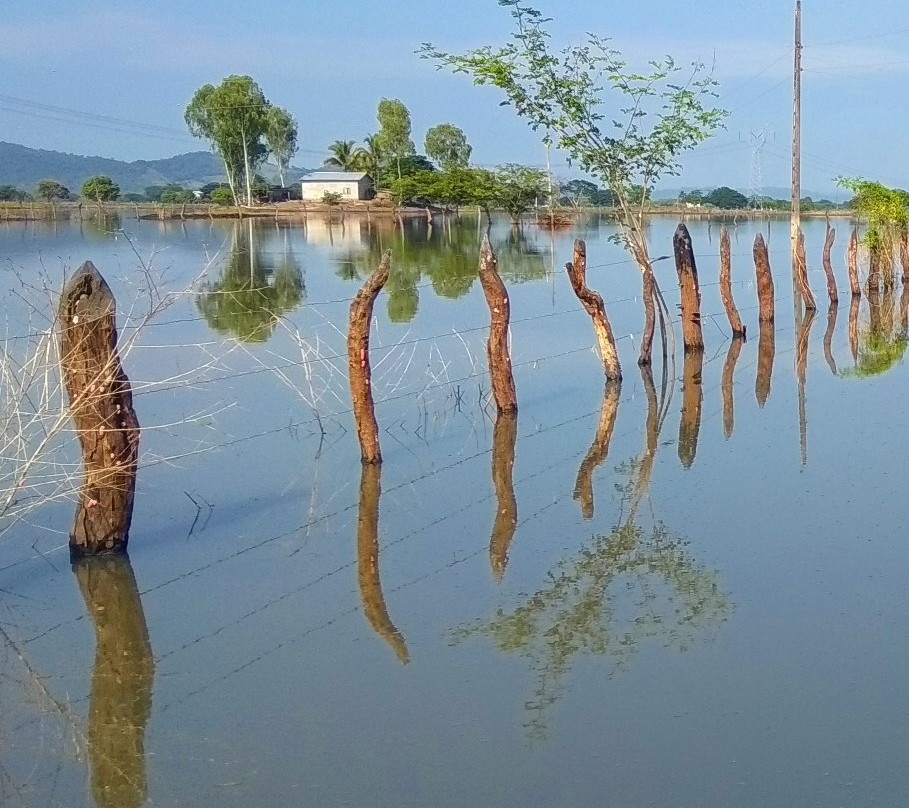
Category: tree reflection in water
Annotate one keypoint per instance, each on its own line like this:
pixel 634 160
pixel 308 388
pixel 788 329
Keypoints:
pixel 254 289
pixel 881 344
pixel 635 584
pixel 446 253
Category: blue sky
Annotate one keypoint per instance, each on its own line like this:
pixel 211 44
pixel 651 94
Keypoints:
pixel 329 63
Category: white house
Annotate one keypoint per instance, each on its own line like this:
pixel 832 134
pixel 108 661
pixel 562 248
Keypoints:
pixel 350 184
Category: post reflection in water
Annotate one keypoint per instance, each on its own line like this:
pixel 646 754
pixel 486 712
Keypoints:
pixel 801 363
pixel 853 327
pixel 122 679
pixel 692 399
pixel 766 352
pixel 504 437
pixel 634 584
pixel 828 337
pixel 368 562
pixel 732 357
pixel 596 454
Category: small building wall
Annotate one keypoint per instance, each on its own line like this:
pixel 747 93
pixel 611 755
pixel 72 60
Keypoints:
pixel 349 189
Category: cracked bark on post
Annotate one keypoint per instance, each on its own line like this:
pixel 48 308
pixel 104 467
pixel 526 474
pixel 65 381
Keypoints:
pixel 500 375
pixel 689 291
pixel 101 405
pixel 735 321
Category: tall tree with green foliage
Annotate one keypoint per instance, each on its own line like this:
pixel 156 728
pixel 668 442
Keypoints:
pixel 623 126
pixel 233 117
pixel 49 190
pixel 518 188
pixel 448 146
pixel 100 188
pixel 281 139
pixel 886 210
pixel 394 130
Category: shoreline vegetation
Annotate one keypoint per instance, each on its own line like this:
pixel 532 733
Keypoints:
pixel 28 211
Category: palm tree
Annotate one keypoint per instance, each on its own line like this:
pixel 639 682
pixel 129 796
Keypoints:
pixel 343 155
pixel 368 157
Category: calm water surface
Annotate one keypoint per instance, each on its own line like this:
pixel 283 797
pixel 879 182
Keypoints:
pixel 680 595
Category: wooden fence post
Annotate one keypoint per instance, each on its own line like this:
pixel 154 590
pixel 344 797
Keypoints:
pixel 735 321
pixel 802 265
pixel 101 404
pixel 764 280
pixel 359 371
pixel 122 679
pixel 689 291
pixel 852 264
pixel 496 294
pixel 832 292
pixel 593 305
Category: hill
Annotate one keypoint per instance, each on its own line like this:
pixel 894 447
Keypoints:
pixel 25 167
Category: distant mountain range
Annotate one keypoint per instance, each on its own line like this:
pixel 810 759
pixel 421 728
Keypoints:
pixel 25 167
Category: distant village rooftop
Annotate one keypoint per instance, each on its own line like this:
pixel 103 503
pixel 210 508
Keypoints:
pixel 349 184
pixel 334 176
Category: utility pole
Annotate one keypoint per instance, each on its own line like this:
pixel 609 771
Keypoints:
pixel 796 137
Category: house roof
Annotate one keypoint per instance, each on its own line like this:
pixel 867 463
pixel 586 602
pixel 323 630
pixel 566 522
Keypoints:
pixel 334 176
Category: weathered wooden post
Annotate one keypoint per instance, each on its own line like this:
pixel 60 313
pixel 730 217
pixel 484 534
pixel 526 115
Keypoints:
pixel 504 439
pixel 726 386
pixel 596 454
pixel 359 370
pixel 593 305
pixel 802 266
pixel 692 400
pixel 500 375
pixel 122 678
pixel 689 291
pixel 735 321
pixel 101 405
pixel 832 292
pixel 764 280
pixel 374 608
pixel 852 264
pixel 766 353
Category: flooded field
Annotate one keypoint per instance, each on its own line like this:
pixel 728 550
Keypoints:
pixel 679 592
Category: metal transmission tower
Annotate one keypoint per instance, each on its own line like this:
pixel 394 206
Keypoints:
pixel 756 185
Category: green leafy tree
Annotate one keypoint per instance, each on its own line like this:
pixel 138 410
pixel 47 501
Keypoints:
pixel 332 199
pixel 281 139
pixel 100 188
pixel 233 117
pixel 222 195
pixel 620 125
pixel 578 193
pixel 448 146
pixel 394 131
pixel 49 190
pixel 691 197
pixel 343 155
pixel 10 193
pixel 175 194
pixel 726 198
pixel 886 210
pixel 517 188
pixel 133 197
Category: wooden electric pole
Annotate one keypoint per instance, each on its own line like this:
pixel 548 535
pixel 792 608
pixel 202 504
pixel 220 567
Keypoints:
pixel 795 220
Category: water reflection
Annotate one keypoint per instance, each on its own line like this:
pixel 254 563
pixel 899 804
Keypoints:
pixel 881 344
pixel 766 353
pixel 254 290
pixel 634 584
pixel 446 254
pixel 727 383
pixel 504 438
pixel 803 335
pixel 122 680
pixel 692 400
pixel 828 336
pixel 368 562
pixel 596 454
